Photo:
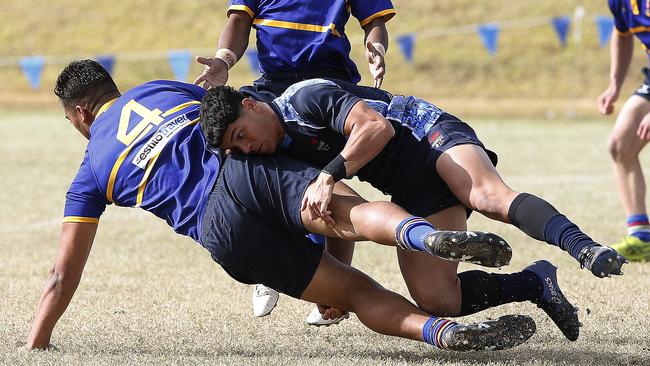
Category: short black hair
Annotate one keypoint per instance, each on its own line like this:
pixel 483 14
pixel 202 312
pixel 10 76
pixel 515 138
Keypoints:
pixel 219 107
pixel 82 79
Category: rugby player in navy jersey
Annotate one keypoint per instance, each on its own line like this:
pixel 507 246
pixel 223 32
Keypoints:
pixel 430 162
pixel 631 132
pixel 146 150
pixel 298 40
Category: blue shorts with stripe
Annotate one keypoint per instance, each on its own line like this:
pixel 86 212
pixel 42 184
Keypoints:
pixel 252 225
pixel 416 185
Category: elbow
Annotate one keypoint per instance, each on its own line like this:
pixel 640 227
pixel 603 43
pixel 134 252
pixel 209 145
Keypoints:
pixel 387 131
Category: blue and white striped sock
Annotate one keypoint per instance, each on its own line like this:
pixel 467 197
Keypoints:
pixel 435 328
pixel 638 226
pixel 411 232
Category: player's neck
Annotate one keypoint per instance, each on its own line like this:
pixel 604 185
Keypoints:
pixel 278 128
pixel 96 104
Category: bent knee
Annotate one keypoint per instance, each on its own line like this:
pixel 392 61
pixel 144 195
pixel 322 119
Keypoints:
pixel 492 200
pixel 440 302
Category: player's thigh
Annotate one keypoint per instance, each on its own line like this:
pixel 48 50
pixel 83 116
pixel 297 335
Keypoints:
pixel 623 135
pixel 468 171
pixel 431 281
pixel 336 284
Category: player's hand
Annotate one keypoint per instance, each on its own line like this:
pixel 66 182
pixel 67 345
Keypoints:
pixel 215 72
pixel 606 100
pixel 317 197
pixel 376 64
pixel 644 129
pixel 328 312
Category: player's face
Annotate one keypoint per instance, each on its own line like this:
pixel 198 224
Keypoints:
pixel 250 134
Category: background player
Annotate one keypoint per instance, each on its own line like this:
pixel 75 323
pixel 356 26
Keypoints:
pixel 146 150
pixel 298 40
pixel 632 129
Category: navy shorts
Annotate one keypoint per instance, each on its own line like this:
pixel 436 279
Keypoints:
pixel 421 191
pixel 252 224
pixel 644 89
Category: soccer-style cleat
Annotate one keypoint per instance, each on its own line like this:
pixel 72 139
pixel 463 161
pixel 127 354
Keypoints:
pixel 633 248
pixel 506 332
pixel 315 318
pixel 553 302
pixel 478 247
pixel 264 300
pixel 601 261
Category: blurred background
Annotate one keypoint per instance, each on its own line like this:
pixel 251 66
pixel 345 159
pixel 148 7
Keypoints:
pixel 498 58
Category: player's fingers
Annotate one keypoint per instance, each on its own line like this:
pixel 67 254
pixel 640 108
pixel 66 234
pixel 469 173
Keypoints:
pixel 199 79
pixel 303 204
pixel 203 60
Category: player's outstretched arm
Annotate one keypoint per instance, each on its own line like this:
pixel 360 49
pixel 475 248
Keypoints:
pixel 74 247
pixel 376 42
pixel 621 50
pixel 232 45
pixel 368 132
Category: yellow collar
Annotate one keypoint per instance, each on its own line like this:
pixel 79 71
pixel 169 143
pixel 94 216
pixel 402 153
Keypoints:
pixel 105 107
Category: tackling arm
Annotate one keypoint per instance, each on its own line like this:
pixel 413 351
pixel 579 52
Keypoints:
pixel 368 132
pixel 74 247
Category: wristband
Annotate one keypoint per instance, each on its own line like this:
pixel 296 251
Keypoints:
pixel 227 56
pixel 380 48
pixel 336 168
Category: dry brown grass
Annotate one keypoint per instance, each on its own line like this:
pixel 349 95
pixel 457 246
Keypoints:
pixel 151 297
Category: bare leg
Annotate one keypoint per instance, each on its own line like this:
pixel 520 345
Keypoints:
pixel 383 311
pixel 624 147
pixel 470 175
pixel 388 313
pixel 443 295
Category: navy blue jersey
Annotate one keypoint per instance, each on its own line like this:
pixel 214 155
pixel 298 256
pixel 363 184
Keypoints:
pixel 313 114
pixel 147 150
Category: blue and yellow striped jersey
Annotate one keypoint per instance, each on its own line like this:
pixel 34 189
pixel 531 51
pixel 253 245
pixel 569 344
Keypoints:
pixel 304 35
pixel 632 17
pixel 147 150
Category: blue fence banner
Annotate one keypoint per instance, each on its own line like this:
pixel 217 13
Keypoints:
pixel 561 26
pixel 253 61
pixel 107 62
pixel 489 34
pixel 180 62
pixel 605 26
pixel 406 44
pixel 33 69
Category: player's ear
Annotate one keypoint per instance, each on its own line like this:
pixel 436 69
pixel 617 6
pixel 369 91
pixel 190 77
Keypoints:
pixel 85 115
pixel 249 104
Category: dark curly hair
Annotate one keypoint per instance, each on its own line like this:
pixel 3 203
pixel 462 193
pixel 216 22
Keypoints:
pixel 81 80
pixel 219 107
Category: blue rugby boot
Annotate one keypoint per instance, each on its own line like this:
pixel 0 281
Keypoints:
pixel 601 261
pixel 553 302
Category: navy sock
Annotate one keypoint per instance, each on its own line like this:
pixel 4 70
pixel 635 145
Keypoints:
pixel 482 290
pixel 562 232
pixel 540 220
pixel 411 232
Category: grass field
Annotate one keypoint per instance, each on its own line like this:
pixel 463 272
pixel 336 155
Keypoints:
pixel 151 297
